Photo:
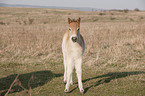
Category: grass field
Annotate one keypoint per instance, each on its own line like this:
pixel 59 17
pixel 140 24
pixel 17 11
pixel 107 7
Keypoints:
pixel 30 48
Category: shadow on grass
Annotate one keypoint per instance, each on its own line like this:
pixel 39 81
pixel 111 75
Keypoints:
pixel 26 81
pixel 110 76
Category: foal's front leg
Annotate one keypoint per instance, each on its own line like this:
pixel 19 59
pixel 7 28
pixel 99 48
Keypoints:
pixel 65 70
pixel 78 67
pixel 70 67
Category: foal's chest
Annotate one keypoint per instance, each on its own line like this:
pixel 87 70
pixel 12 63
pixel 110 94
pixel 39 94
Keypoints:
pixel 74 51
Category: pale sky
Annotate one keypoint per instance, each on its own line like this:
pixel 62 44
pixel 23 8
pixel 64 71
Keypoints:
pixel 103 4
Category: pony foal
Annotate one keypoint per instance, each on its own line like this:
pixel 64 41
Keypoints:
pixel 73 47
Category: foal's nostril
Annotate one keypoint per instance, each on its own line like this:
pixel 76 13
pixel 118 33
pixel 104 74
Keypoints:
pixel 74 39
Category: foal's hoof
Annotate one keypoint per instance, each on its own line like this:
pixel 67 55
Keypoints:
pixel 82 91
pixel 71 83
pixel 65 82
pixel 66 91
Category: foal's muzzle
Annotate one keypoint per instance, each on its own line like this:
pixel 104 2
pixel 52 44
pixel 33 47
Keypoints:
pixel 74 39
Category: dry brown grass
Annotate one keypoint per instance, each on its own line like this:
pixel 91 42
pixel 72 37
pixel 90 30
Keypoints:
pixel 32 35
pixel 38 32
pixel 117 42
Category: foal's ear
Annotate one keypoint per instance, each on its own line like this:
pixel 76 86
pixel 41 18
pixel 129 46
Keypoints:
pixel 69 21
pixel 79 20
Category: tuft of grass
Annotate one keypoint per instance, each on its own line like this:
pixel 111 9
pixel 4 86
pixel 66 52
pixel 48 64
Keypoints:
pixel 131 19
pixel 112 18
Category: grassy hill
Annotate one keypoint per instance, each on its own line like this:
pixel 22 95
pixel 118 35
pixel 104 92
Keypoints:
pixel 30 48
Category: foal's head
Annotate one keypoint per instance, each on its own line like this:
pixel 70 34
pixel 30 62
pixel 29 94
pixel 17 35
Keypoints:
pixel 74 29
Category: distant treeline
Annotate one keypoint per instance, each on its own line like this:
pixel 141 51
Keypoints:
pixel 119 10
pixel 125 10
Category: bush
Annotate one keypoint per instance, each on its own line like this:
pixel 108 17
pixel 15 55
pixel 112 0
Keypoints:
pixel 102 14
pixel 126 10
pixel 136 9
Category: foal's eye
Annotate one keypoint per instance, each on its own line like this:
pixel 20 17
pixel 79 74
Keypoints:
pixel 69 29
pixel 78 29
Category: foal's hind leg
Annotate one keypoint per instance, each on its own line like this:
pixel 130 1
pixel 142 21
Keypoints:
pixel 65 69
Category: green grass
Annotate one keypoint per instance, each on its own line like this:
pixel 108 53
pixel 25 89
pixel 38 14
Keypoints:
pixel 34 79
